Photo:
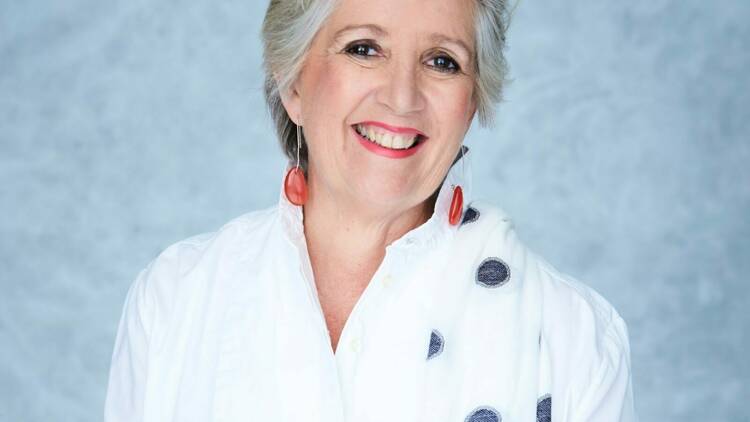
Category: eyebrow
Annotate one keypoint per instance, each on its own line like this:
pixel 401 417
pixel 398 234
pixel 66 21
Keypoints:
pixel 379 30
pixel 371 27
pixel 440 38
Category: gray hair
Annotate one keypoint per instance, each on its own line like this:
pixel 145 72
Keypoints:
pixel 290 26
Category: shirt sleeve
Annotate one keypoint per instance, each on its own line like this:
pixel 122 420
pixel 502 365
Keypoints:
pixel 609 395
pixel 127 374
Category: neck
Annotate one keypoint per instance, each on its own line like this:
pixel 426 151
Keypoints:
pixel 351 236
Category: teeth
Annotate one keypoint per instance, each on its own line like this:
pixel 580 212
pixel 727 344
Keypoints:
pixel 400 142
pixel 387 140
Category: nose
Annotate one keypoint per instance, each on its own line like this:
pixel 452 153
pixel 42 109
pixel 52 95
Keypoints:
pixel 402 91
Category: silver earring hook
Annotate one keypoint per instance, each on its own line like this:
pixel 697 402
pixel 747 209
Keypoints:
pixel 299 144
pixel 463 164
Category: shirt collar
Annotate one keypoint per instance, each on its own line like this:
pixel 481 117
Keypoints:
pixel 436 229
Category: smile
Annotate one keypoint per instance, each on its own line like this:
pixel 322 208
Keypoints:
pixel 389 141
pixel 386 139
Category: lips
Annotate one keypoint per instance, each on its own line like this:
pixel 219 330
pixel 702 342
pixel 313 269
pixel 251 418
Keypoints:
pixel 389 141
pixel 387 136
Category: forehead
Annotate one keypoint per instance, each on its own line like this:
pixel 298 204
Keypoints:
pixel 423 19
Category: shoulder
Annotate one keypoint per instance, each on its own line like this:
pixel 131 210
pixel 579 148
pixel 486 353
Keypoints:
pixel 193 260
pixel 577 302
pixel 495 229
pixel 588 348
pixel 585 337
pixel 571 311
pixel 583 330
pixel 233 236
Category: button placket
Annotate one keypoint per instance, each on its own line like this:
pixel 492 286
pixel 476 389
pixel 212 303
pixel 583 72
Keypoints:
pixel 398 259
pixel 353 333
pixel 355 344
pixel 352 337
pixel 388 280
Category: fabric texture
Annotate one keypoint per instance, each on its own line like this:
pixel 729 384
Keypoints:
pixel 458 323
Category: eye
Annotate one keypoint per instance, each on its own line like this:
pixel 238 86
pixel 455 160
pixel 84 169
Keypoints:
pixel 444 64
pixel 362 49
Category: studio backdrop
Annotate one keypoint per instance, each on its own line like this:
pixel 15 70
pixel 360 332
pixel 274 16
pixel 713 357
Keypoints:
pixel 621 152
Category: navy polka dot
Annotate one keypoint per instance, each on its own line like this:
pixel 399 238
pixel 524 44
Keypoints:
pixel 470 215
pixel 544 409
pixel 493 272
pixel 436 344
pixel 484 414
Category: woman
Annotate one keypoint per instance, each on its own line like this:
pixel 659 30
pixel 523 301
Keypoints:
pixel 377 289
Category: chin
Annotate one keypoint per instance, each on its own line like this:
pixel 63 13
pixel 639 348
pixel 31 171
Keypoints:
pixel 385 192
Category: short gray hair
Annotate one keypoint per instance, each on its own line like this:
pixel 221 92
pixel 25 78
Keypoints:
pixel 290 26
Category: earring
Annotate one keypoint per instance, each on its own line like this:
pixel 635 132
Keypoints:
pixel 295 185
pixel 457 206
pixel 457 202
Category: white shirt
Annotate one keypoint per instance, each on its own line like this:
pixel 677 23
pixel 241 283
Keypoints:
pixel 459 323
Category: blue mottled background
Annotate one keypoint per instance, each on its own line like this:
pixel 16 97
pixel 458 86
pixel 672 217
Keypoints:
pixel 622 152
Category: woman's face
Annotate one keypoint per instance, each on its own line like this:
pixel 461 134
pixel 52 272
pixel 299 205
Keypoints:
pixel 395 70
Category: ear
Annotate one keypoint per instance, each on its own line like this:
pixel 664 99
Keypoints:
pixel 292 102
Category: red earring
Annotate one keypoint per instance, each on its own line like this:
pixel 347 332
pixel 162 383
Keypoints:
pixel 457 206
pixel 295 185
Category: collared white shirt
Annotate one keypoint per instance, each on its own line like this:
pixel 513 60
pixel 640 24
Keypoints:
pixel 459 323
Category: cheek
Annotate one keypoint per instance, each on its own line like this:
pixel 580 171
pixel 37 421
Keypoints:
pixel 462 104
pixel 332 92
pixel 336 90
pixel 453 104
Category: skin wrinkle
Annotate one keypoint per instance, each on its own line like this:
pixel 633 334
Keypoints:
pixel 360 202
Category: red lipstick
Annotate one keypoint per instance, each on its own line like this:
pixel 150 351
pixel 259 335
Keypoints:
pixel 390 152
pixel 395 129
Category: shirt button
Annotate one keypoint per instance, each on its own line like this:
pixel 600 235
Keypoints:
pixel 387 280
pixel 354 345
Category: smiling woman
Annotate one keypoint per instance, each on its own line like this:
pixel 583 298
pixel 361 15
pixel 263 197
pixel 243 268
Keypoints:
pixel 377 288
